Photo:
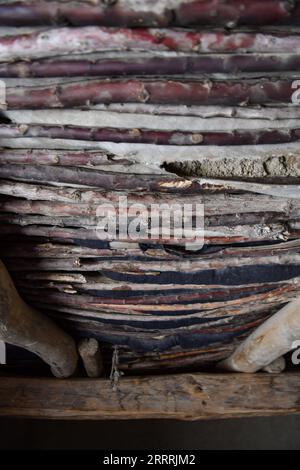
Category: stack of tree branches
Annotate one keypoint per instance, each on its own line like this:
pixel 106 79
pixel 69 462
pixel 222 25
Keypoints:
pixel 161 102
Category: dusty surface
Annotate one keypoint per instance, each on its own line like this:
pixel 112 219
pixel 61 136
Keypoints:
pixel 277 166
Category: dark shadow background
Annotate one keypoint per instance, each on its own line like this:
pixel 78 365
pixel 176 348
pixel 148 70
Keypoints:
pixel 253 433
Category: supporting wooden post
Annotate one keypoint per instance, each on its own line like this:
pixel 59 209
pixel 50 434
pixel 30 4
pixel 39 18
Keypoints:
pixel 23 326
pixel 91 356
pixel 268 342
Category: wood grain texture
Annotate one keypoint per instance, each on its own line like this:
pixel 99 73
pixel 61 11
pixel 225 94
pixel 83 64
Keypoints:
pixel 185 397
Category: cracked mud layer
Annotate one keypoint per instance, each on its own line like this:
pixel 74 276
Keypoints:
pixel 271 167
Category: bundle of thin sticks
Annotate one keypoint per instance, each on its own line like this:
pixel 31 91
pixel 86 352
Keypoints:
pixel 156 102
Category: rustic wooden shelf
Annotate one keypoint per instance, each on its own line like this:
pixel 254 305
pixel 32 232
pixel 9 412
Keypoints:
pixel 183 396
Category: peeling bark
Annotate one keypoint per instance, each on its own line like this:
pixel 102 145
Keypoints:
pixel 98 179
pixel 57 42
pixel 61 206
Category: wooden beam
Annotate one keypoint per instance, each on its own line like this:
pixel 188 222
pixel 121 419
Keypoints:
pixel 185 396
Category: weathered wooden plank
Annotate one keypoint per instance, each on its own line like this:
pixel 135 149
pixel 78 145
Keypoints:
pixel 184 396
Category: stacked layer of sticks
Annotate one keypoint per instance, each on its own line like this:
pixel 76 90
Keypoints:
pixel 162 102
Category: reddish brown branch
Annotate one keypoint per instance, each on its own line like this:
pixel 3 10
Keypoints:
pixel 84 94
pixel 153 13
pixel 235 137
pixel 153 66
